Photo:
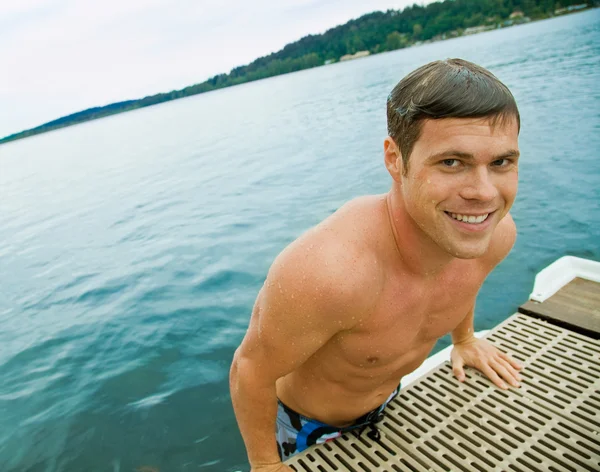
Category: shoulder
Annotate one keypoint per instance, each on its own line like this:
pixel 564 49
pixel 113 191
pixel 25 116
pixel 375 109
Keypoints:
pixel 502 242
pixel 330 267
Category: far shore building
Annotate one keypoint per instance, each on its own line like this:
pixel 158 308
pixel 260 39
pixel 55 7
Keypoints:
pixel 478 29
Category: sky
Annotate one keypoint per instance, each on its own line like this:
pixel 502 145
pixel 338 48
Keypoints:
pixel 62 56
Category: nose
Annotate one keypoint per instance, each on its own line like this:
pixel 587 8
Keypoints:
pixel 479 185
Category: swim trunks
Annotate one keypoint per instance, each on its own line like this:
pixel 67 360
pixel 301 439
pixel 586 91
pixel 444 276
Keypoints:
pixel 295 432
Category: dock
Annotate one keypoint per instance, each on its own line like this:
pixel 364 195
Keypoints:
pixel 575 306
pixel 551 423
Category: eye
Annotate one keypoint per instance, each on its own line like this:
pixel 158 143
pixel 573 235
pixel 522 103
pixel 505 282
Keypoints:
pixel 501 163
pixel 450 162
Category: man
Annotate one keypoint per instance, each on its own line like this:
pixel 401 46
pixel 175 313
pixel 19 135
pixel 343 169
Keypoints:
pixel 359 301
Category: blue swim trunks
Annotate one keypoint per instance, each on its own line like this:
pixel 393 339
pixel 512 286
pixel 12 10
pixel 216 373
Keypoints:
pixel 295 432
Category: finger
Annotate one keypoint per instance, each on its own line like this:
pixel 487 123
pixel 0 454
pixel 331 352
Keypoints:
pixel 493 376
pixel 505 370
pixel 458 369
pixel 510 360
pixel 511 369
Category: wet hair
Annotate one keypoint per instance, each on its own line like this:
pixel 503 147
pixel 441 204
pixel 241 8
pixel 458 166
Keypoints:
pixel 453 88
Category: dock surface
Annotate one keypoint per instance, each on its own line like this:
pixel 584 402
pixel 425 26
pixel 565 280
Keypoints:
pixel 576 306
pixel 551 423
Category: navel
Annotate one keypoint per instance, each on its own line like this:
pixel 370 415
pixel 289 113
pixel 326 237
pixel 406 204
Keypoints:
pixel 372 359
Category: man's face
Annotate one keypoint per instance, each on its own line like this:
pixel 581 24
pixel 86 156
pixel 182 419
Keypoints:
pixel 461 181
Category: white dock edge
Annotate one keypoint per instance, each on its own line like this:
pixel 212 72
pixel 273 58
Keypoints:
pixel 558 274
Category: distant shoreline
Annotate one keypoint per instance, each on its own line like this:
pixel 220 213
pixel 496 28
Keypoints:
pixel 310 52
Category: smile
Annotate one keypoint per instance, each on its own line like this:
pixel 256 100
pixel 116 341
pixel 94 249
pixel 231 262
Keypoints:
pixel 471 219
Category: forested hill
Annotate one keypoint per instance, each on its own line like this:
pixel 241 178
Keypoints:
pixel 374 32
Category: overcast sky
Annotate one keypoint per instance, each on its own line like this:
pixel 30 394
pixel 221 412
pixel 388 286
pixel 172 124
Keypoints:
pixel 62 56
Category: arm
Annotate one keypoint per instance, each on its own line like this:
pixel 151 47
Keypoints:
pixel 479 353
pixel 303 303
pixel 254 402
pixel 465 330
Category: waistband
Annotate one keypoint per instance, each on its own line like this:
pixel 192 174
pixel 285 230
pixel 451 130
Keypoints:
pixel 369 418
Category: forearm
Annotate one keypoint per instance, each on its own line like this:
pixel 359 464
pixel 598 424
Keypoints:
pixel 464 331
pixel 255 406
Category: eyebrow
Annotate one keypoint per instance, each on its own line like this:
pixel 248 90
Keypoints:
pixel 470 157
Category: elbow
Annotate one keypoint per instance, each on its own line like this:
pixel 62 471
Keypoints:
pixel 241 373
pixel 247 373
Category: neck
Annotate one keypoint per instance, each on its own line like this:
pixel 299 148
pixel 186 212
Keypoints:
pixel 418 252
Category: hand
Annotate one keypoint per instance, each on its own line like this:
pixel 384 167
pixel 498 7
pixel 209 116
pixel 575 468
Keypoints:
pixel 486 357
pixel 278 467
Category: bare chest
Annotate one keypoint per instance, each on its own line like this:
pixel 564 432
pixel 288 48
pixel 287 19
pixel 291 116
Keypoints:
pixel 407 321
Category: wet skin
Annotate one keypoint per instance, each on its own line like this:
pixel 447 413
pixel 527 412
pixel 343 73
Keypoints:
pixel 358 302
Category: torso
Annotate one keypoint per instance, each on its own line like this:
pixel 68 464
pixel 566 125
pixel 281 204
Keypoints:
pixel 358 368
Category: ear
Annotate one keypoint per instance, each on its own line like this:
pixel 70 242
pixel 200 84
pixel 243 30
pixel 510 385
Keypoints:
pixel 392 158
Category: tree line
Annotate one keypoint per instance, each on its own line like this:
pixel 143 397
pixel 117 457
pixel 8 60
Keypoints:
pixel 374 32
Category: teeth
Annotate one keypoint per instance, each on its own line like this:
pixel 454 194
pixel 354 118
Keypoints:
pixel 470 219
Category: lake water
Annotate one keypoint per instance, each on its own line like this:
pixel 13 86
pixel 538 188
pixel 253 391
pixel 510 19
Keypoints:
pixel 132 247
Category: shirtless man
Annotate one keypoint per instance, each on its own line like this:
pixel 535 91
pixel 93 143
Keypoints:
pixel 359 301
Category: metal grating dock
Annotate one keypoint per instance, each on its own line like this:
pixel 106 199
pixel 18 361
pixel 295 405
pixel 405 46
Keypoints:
pixel 552 423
